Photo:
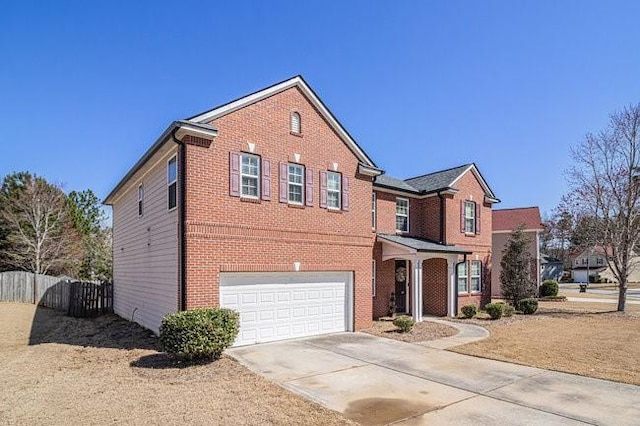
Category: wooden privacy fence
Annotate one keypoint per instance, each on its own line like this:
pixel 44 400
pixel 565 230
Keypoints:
pixel 89 299
pixel 79 299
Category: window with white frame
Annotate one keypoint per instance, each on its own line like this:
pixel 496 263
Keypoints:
pixel 470 217
pixel 296 184
pixel 140 200
pixel 476 276
pixel 402 214
pixel 295 122
pixel 334 188
pixel 373 210
pixel 373 278
pixel 463 278
pixel 172 182
pixel 250 175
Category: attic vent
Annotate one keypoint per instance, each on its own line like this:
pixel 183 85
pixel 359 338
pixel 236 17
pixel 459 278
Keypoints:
pixel 295 122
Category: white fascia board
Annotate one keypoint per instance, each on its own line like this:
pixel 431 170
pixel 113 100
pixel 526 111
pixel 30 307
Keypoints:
pixel 184 130
pixel 363 169
pixel 263 94
pixel 480 179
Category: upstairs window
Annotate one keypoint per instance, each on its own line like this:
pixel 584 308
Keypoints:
pixel 140 199
pixel 476 276
pixel 295 123
pixel 296 184
pixel 462 277
pixel 402 214
pixel 250 175
pixel 334 189
pixel 469 217
pixel 172 182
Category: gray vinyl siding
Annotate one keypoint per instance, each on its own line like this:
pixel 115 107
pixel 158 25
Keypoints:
pixel 145 248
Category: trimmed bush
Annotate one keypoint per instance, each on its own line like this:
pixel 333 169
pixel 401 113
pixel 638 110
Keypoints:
pixel 199 334
pixel 507 310
pixel 469 311
pixel 549 288
pixel 528 306
pixel 404 323
pixel 495 310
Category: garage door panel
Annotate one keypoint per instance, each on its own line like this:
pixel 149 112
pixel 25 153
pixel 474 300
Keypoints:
pixel 277 306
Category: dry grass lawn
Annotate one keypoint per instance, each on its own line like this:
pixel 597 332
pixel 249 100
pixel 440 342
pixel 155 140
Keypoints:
pixel 421 332
pixel 588 339
pixel 60 370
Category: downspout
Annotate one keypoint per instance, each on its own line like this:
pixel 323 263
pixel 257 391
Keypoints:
pixel 182 218
pixel 442 217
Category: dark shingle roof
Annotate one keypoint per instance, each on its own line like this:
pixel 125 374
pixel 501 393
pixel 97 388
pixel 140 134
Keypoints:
pixel 422 244
pixel 391 182
pixel 437 180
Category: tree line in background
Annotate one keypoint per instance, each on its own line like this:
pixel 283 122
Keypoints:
pixel 46 231
pixel 602 207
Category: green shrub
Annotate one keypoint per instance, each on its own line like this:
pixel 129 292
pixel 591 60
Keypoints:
pixel 549 288
pixel 495 310
pixel 404 323
pixel 199 333
pixel 469 311
pixel 528 306
pixel 507 310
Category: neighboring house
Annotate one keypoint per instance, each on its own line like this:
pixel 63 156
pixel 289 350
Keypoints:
pixel 588 262
pixel 550 268
pixel 505 221
pixel 264 205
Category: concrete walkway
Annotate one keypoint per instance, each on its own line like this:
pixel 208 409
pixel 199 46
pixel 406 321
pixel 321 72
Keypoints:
pixel 379 381
pixel 599 300
pixel 467 333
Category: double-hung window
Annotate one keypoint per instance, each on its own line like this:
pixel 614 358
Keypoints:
pixel 463 278
pixel 250 175
pixel 172 182
pixel 296 184
pixel 470 217
pixel 334 189
pixel 140 200
pixel 402 214
pixel 476 276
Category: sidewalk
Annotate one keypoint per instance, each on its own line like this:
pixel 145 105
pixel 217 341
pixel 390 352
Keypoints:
pixel 467 333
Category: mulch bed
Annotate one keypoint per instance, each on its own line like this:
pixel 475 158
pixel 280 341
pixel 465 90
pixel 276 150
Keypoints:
pixel 421 332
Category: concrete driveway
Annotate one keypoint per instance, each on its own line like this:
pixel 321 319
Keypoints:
pixel 378 381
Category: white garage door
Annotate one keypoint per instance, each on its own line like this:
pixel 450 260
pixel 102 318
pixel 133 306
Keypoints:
pixel 277 306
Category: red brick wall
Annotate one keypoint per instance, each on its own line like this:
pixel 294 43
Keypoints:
pixel 385 282
pixel 434 286
pixel 227 233
pixel 480 245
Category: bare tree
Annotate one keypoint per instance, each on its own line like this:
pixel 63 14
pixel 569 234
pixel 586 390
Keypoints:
pixel 40 236
pixel 604 186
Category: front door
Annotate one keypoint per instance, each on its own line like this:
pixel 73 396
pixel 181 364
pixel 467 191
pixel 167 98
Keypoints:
pixel 401 286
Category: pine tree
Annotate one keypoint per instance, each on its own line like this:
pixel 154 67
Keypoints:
pixel 515 276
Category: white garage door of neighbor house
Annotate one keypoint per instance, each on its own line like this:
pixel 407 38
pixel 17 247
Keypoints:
pixel 278 306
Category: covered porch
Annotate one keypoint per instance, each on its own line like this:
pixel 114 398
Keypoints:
pixel 430 273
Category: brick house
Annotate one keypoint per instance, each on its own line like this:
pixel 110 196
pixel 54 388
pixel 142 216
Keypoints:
pixel 264 205
pixel 505 221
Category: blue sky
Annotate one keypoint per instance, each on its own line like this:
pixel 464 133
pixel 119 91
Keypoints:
pixel 86 87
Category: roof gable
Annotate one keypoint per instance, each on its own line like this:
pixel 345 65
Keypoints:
pixel 302 85
pixel 510 219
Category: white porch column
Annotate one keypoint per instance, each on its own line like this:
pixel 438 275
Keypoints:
pixel 451 288
pixel 417 290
